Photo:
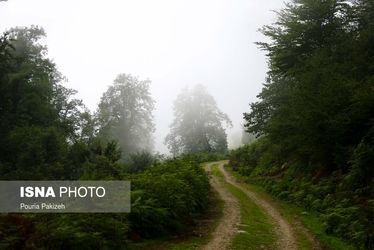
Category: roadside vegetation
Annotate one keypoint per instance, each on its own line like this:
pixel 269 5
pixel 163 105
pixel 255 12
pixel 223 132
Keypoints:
pixel 195 235
pixel 318 205
pixel 166 200
pixel 314 117
pixel 314 235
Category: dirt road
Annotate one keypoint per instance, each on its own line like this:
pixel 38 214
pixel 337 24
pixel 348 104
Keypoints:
pixel 227 228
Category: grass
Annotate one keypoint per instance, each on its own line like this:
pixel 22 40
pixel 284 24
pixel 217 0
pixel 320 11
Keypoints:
pixel 256 229
pixel 292 213
pixel 217 173
pixel 302 239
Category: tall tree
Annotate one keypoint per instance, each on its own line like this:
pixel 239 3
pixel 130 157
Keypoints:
pixel 316 111
pixel 318 101
pixel 37 113
pixel 198 125
pixel 125 114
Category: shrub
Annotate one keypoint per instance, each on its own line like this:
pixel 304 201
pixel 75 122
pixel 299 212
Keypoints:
pixel 168 196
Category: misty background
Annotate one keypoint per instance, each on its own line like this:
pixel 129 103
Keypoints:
pixel 173 43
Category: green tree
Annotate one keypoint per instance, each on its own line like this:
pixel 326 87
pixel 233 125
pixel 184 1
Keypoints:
pixel 316 109
pixel 38 116
pixel 125 114
pixel 317 101
pixel 198 125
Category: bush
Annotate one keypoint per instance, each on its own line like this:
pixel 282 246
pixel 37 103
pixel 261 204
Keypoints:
pixel 140 161
pixel 173 191
pixel 165 199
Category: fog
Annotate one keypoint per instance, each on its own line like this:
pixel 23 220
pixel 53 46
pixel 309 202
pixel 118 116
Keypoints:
pixel 174 43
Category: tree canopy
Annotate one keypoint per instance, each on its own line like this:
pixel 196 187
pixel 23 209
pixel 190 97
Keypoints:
pixel 318 100
pixel 38 116
pixel 198 125
pixel 125 114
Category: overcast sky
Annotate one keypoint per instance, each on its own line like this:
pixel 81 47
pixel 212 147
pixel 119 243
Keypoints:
pixel 174 43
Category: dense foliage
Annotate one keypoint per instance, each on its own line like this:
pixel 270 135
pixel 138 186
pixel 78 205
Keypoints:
pixel 125 114
pixel 39 119
pixel 165 199
pixel 315 114
pixel 198 125
pixel 318 102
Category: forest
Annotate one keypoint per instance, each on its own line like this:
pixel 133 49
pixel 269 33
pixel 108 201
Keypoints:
pixel 311 136
pixel 314 118
pixel 47 134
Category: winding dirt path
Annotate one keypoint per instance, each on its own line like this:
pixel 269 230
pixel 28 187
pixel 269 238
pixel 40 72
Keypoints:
pixel 286 238
pixel 227 228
